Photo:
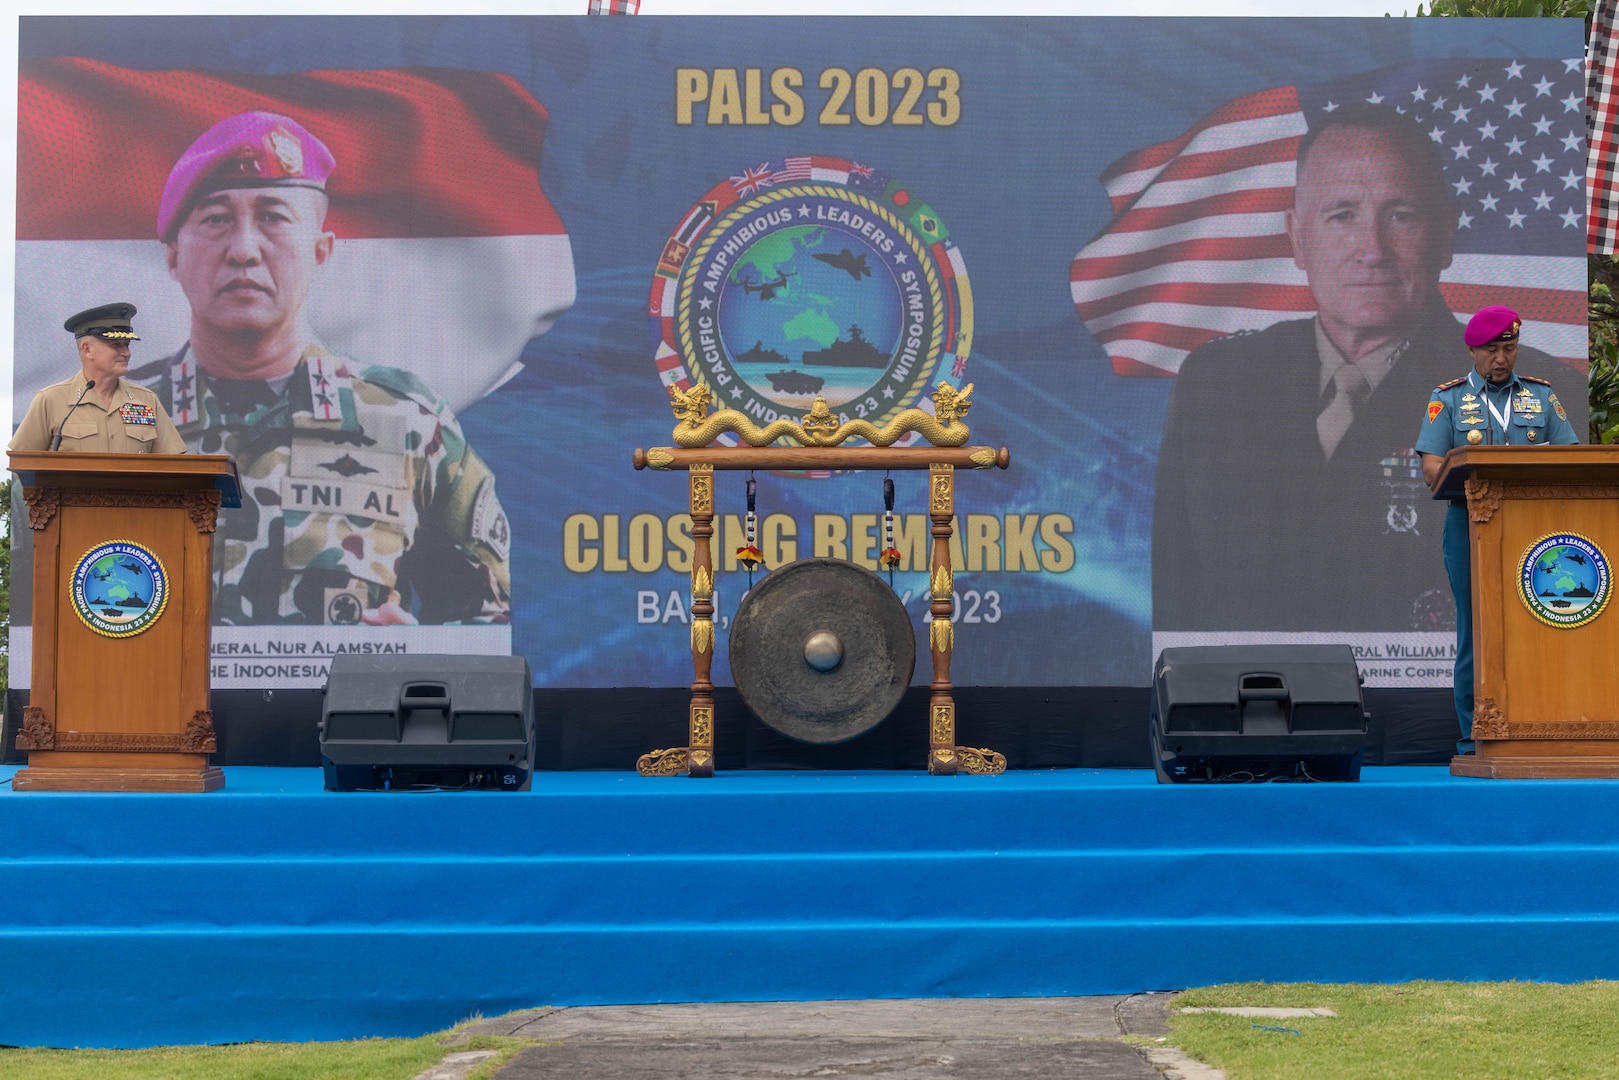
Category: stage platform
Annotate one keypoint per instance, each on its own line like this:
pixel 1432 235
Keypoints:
pixel 274 910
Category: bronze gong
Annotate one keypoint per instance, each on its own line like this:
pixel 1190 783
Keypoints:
pixel 822 650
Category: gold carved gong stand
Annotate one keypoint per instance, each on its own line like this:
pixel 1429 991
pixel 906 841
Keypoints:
pixel 815 443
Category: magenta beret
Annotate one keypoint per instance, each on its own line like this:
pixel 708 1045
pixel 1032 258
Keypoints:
pixel 251 149
pixel 1492 324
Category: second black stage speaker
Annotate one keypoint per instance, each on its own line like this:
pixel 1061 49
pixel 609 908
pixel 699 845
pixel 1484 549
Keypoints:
pixel 1244 713
pixel 425 721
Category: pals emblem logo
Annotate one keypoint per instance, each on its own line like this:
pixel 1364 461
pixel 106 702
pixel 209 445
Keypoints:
pixel 1564 580
pixel 119 588
pixel 812 277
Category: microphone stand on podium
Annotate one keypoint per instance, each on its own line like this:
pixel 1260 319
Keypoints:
pixel 123 556
pixel 56 440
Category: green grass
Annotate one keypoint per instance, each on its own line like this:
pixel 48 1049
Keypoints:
pixel 1410 1031
pixel 1499 1031
pixel 364 1059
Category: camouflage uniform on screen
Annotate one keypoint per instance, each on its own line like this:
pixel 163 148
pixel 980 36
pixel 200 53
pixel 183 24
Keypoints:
pixel 358 488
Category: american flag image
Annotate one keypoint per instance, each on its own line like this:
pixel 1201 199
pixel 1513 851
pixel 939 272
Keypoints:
pixel 793 168
pixel 1197 247
pixel 814 167
pixel 613 7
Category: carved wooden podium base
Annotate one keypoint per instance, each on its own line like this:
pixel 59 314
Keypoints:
pixel 1535 767
pixel 117 760
pixel 77 777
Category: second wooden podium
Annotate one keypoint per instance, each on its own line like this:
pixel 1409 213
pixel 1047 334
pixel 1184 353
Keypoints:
pixel 123 553
pixel 1543 527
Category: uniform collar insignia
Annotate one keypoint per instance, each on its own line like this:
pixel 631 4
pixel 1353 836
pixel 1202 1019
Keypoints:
pixel 183 389
pixel 328 379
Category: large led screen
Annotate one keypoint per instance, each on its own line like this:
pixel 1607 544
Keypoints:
pixel 431 280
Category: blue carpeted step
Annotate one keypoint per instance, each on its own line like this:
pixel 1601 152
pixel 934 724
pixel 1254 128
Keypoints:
pixel 74 988
pixel 275 910
pixel 593 814
pixel 988 887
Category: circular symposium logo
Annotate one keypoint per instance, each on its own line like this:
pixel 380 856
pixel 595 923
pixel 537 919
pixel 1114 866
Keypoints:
pixel 812 277
pixel 119 588
pixel 1564 580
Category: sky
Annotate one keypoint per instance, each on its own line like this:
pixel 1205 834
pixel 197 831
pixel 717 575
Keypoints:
pixel 8 52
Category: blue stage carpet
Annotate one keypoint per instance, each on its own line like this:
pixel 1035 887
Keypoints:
pixel 273 910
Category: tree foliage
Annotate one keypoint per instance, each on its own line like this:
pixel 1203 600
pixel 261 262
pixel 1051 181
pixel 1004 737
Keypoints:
pixel 5 587
pixel 1508 9
pixel 1603 326
pixel 1604 339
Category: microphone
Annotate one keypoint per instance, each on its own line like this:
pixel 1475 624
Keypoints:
pixel 57 441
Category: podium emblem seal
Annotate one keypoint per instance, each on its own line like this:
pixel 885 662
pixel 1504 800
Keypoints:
pixel 1564 580
pixel 119 588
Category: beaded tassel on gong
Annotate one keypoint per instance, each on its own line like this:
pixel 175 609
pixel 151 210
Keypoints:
pixel 748 554
pixel 891 555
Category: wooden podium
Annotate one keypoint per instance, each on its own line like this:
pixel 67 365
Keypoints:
pixel 123 554
pixel 1546 684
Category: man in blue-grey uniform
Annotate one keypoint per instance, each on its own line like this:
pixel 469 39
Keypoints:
pixel 1489 406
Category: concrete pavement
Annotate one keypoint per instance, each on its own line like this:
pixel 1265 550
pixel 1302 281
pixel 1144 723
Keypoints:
pixel 925 1039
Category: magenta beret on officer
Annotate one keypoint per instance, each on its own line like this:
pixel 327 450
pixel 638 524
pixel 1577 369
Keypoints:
pixel 1492 324
pixel 251 149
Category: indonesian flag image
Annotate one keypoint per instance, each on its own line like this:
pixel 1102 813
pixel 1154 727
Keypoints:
pixel 1197 247
pixel 448 259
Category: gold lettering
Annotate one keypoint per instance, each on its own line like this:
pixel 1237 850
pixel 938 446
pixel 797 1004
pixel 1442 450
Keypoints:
pixel 682 547
pixel 789 107
pixel 729 527
pixel 1019 542
pixel 691 86
pixel 778 543
pixel 839 82
pixel 576 531
pixel 831 537
pixel 724 98
pixel 646 543
pixel 983 542
pixel 945 108
pixel 1054 530
pixel 863 528
pixel 612 550
pixel 911 537
pixel 753 100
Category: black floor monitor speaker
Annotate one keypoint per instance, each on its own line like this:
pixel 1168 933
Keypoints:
pixel 428 722
pixel 1247 713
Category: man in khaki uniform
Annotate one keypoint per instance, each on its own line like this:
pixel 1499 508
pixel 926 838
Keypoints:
pixel 111 415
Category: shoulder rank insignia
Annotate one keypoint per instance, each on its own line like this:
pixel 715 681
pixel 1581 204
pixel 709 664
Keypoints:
pixel 1434 409
pixel 1451 383
pixel 1531 378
